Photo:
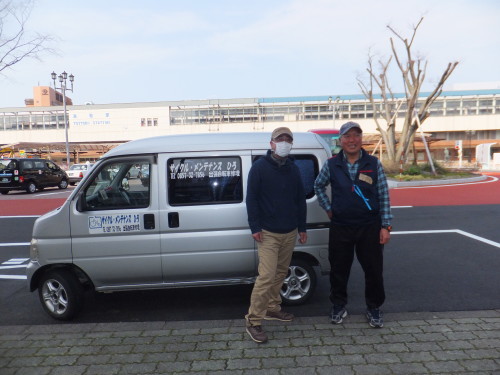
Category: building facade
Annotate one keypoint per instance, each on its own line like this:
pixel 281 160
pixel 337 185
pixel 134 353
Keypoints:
pixel 465 118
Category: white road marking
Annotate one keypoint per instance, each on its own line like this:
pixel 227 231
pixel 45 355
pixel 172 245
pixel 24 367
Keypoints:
pixel 15 261
pixel 13 277
pixel 19 216
pixel 458 231
pixel 11 267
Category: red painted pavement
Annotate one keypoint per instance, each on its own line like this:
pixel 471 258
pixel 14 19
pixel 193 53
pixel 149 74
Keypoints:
pixel 483 192
pixel 28 207
pixel 450 195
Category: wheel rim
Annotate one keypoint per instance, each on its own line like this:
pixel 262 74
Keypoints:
pixel 297 284
pixel 63 184
pixel 32 188
pixel 55 297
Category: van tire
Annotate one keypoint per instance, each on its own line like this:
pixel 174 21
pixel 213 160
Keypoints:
pixel 5 192
pixel 299 284
pixel 61 294
pixel 63 184
pixel 31 187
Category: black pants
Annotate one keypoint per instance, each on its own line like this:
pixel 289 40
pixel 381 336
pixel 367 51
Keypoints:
pixel 365 242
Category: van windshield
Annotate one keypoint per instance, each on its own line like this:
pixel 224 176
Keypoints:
pixel 333 141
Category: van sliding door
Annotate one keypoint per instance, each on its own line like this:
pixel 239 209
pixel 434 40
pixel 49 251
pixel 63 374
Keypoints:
pixel 204 228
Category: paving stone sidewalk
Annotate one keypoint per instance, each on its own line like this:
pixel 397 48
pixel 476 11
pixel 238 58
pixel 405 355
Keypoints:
pixel 410 343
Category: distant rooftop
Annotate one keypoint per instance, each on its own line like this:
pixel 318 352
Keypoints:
pixel 376 96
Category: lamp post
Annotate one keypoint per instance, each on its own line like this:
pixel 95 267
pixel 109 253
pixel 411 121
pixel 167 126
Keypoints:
pixel 63 87
pixel 334 108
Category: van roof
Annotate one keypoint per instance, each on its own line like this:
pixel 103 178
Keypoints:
pixel 210 141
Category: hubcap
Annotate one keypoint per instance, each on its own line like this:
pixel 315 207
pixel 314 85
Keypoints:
pixel 297 284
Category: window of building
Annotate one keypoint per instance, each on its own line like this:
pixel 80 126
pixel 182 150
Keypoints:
pixel 206 180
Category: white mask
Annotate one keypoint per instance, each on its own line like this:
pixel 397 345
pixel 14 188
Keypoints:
pixel 282 148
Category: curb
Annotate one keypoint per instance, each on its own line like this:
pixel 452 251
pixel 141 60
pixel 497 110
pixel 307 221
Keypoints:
pixel 397 184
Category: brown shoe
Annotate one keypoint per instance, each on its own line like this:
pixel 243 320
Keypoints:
pixel 257 334
pixel 279 315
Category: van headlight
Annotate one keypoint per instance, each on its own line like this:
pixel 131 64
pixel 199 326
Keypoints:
pixel 34 249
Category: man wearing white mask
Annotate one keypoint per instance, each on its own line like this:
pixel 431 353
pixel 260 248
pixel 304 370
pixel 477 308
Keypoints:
pixel 276 207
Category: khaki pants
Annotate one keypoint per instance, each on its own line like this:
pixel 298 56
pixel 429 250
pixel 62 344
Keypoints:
pixel 275 254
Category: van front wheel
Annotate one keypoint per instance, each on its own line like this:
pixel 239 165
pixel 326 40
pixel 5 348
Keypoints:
pixel 61 294
pixel 299 284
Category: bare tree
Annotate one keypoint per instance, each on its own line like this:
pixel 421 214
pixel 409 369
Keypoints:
pixel 386 108
pixel 16 43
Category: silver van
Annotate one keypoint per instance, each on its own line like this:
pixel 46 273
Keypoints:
pixel 182 224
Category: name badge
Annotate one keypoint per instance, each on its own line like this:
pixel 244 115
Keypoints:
pixel 365 178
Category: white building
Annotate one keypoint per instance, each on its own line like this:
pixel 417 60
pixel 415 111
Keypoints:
pixel 470 116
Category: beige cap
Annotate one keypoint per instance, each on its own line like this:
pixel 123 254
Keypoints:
pixel 280 131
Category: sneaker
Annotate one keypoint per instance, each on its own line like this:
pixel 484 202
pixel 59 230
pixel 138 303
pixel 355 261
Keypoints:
pixel 257 334
pixel 374 317
pixel 338 314
pixel 279 315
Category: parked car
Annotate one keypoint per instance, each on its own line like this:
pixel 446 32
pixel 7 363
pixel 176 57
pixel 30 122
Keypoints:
pixel 184 225
pixel 77 171
pixel 30 175
pixel 135 172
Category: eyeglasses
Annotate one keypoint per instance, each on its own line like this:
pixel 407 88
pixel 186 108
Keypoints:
pixel 283 138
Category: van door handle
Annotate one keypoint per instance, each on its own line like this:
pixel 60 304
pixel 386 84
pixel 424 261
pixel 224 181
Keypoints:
pixel 173 220
pixel 149 221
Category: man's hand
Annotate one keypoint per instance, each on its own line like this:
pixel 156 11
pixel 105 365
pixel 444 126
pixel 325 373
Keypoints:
pixel 302 237
pixel 257 236
pixel 385 236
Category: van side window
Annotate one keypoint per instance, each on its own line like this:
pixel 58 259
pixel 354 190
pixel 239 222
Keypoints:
pixel 205 180
pixel 40 164
pixel 119 185
pixel 309 170
pixel 27 164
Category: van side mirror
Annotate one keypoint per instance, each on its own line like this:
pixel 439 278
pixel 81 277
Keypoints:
pixel 80 202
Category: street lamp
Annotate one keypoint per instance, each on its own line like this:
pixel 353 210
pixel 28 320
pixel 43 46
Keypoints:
pixel 334 107
pixel 63 87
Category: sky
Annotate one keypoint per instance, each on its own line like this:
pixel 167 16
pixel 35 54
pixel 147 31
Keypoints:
pixel 124 51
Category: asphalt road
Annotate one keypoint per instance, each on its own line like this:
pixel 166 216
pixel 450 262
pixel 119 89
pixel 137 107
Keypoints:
pixel 440 258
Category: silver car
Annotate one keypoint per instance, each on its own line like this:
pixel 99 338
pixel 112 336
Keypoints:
pixel 77 171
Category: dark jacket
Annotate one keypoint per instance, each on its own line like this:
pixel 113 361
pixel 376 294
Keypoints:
pixel 276 199
pixel 348 208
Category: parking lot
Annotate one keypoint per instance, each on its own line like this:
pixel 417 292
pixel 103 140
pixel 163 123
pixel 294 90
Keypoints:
pixel 441 258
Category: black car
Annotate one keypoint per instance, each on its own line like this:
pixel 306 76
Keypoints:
pixel 30 175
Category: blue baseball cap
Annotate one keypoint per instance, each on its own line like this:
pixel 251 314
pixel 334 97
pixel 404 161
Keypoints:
pixel 348 126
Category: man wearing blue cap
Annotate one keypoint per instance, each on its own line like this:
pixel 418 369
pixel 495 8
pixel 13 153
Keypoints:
pixel 360 222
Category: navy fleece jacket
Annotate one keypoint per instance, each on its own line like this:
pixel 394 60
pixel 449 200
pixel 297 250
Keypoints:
pixel 276 200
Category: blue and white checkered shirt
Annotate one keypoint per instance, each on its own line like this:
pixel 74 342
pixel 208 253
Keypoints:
pixel 323 180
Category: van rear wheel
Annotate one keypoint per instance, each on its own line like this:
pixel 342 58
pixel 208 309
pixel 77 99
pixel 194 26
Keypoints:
pixel 299 284
pixel 63 184
pixel 61 294
pixel 31 188
pixel 4 192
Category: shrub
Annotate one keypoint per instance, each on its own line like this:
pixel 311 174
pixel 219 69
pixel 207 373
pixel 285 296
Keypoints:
pixel 412 170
